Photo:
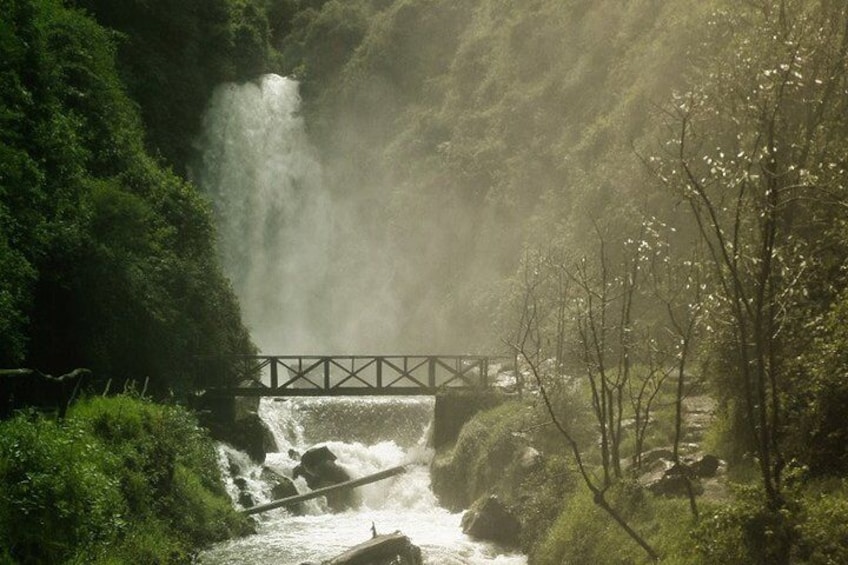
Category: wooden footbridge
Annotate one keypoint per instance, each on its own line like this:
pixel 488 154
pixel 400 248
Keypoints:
pixel 346 375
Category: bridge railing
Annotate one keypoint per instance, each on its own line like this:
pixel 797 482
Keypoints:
pixel 329 375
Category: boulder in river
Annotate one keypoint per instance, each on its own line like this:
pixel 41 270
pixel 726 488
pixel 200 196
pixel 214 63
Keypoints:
pixel 282 487
pixel 319 467
pixel 387 549
pixel 244 496
pixel 489 519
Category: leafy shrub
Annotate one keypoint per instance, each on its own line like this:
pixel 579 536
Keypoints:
pixel 584 533
pixel 823 525
pixel 487 459
pixel 121 480
pixel 58 492
pixel 168 468
pixel 745 531
pixel 484 458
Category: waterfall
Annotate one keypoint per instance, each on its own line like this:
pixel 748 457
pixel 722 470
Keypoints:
pixel 271 209
pixel 312 277
pixel 378 433
pixel 313 271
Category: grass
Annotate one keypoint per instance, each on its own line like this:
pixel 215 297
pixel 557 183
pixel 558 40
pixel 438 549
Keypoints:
pixel 119 480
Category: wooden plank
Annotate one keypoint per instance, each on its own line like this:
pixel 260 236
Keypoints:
pixel 385 474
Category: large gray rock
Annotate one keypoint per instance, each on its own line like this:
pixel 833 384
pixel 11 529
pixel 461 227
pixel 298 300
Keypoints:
pixel 530 459
pixel 319 467
pixel 488 519
pixel 674 482
pixel 389 549
pixel 250 435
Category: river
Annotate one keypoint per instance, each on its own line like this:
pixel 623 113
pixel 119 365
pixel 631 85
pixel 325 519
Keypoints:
pixel 367 435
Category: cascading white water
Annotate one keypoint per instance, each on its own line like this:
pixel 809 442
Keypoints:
pixel 309 271
pixel 402 503
pixel 309 281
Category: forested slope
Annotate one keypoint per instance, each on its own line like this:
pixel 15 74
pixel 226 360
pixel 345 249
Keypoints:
pixel 494 125
pixel 637 189
pixel 543 131
pixel 108 258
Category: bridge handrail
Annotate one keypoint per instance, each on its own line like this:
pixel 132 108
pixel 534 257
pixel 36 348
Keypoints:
pixel 314 374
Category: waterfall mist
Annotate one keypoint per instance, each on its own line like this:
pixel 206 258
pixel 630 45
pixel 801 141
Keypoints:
pixel 310 276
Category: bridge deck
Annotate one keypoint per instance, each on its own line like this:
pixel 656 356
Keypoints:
pixel 345 375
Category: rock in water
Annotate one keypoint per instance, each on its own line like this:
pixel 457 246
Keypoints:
pixel 318 466
pixel 488 519
pixel 388 549
pixel 315 456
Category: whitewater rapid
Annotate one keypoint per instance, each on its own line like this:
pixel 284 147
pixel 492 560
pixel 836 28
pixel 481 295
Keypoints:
pixel 367 435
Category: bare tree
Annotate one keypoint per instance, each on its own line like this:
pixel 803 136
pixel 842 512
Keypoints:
pixel 749 156
pixel 529 346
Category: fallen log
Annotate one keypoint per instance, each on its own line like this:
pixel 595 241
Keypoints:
pixel 385 474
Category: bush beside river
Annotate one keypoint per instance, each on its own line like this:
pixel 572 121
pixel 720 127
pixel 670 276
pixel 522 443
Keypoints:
pixel 560 523
pixel 119 480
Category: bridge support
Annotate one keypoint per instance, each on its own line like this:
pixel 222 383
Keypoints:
pixel 454 408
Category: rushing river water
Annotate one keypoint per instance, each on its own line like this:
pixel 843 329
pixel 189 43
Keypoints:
pixel 367 435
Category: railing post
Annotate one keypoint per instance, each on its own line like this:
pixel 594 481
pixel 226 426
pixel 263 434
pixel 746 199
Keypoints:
pixel 274 381
pixel 431 373
pixel 379 372
pixel 326 373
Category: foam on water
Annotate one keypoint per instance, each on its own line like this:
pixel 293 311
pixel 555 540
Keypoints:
pixel 404 502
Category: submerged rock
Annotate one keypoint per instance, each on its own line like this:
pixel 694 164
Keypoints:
pixel 244 496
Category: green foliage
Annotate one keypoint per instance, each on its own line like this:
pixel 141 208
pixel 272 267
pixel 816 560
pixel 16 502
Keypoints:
pixel 105 255
pixel 484 457
pixel 823 528
pixel 583 533
pixel 490 457
pixel 172 54
pixel 59 496
pixel 744 531
pixel 821 437
pixel 120 480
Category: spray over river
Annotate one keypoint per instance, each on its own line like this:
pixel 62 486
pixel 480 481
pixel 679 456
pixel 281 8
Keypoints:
pixel 308 282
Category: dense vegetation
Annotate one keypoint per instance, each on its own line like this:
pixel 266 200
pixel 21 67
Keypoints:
pixel 643 195
pixel 107 258
pixel 664 182
pixel 108 262
pixel 120 480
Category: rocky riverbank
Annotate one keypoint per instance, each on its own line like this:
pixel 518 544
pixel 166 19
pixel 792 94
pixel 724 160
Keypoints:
pixel 510 472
